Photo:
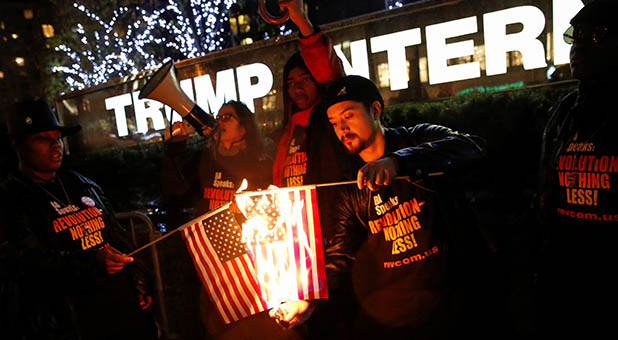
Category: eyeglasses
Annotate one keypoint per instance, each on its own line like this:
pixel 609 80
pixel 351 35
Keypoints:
pixel 581 33
pixel 225 117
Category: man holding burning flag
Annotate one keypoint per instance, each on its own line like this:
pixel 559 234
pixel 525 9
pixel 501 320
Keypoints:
pixel 409 244
pixel 307 150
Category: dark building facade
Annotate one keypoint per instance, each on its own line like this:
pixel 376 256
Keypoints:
pixel 25 30
pixel 325 11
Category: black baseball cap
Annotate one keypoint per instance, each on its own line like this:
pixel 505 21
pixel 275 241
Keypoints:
pixel 354 88
pixel 599 12
pixel 33 116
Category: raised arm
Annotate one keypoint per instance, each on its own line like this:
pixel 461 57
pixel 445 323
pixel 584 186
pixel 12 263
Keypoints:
pixel 315 47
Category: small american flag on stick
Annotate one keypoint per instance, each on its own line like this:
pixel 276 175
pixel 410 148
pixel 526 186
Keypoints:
pixel 225 268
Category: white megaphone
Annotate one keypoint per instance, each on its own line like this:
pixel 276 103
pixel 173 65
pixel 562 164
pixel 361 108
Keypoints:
pixel 163 87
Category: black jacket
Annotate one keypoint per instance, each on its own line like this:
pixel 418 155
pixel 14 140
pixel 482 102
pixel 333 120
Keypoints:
pixel 578 211
pixel 423 152
pixel 38 277
pixel 558 131
pixel 413 288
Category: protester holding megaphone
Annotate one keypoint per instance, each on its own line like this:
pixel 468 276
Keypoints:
pixel 235 151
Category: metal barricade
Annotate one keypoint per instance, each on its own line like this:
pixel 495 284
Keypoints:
pixel 130 218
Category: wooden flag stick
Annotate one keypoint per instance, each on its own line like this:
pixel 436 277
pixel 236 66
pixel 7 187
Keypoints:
pixel 351 182
pixel 183 227
pixel 354 181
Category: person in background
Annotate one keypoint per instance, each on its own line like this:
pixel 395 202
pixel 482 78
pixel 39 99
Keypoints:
pixel 578 185
pixel 413 249
pixel 307 149
pixel 63 272
pixel 305 153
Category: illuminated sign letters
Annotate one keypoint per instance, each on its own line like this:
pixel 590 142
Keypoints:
pixel 247 88
pixel 117 105
pixel 145 109
pixel 395 46
pixel 498 43
pixel 439 52
pixel 210 100
pixel 360 59
pixel 447 61
pixel 254 81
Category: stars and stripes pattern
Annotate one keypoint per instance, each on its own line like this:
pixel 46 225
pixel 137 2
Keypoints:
pixel 225 268
pixel 288 256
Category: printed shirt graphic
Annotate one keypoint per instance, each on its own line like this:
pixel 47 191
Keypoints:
pixel 290 166
pixel 220 179
pixel 295 167
pixel 398 227
pixel 219 190
pixel 80 225
pixel 401 269
pixel 587 176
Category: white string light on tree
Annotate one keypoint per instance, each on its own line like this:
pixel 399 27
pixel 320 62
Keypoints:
pixel 148 38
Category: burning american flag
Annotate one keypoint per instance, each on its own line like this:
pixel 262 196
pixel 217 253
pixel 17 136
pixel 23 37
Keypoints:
pixel 283 235
pixel 275 257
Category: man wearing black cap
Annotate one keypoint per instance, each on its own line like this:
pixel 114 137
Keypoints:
pixel 61 274
pixel 578 184
pixel 409 243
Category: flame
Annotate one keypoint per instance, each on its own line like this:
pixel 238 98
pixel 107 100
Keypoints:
pixel 271 226
pixel 243 186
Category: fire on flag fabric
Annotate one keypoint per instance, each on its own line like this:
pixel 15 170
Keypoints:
pixel 283 235
pixel 222 262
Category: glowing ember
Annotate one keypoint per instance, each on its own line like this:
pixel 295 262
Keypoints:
pixel 243 186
